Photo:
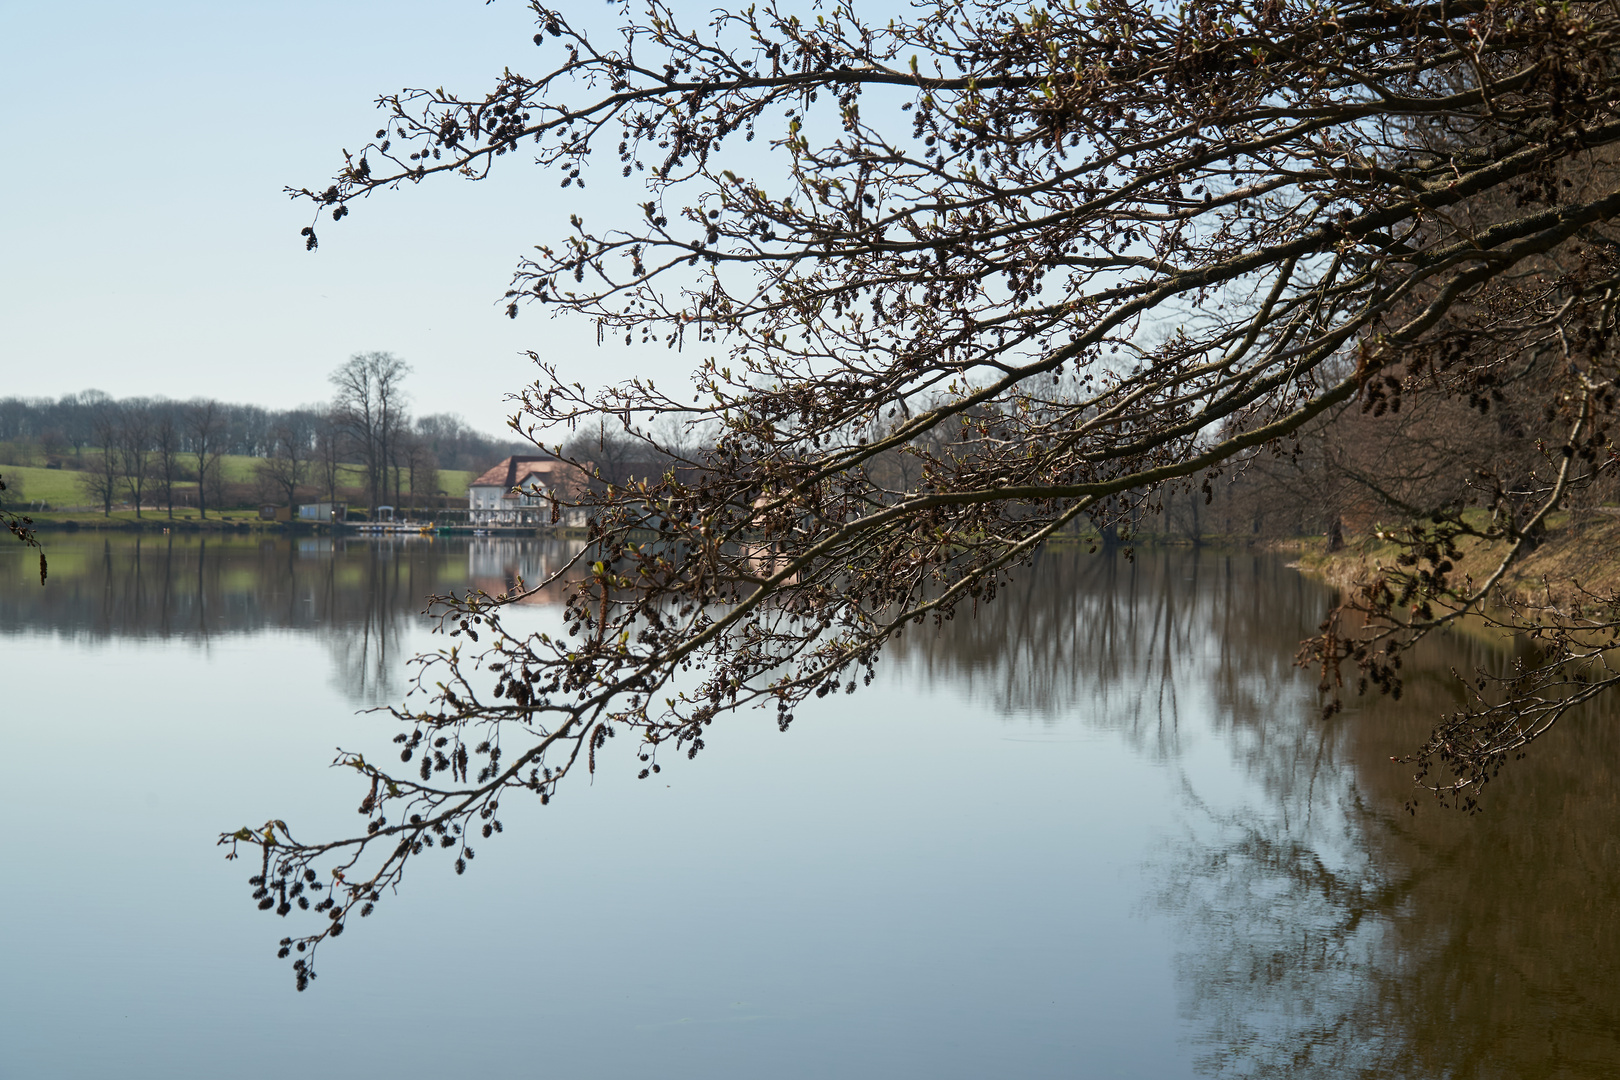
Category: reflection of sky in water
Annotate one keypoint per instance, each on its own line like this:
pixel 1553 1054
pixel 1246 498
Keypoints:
pixel 895 888
pixel 1095 832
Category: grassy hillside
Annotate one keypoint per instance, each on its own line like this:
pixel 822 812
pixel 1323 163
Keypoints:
pixel 61 487
pixel 454 482
pixel 241 469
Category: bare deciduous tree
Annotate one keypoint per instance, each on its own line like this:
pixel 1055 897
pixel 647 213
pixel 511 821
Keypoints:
pixel 134 449
pixel 100 480
pixel 167 447
pixel 205 429
pixel 370 408
pixel 1063 258
pixel 421 470
pixel 329 447
pixel 292 446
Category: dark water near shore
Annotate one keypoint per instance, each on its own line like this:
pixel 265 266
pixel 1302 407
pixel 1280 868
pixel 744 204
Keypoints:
pixel 1099 830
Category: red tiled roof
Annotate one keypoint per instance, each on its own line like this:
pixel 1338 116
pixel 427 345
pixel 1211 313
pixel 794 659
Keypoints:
pixel 516 471
pixel 495 477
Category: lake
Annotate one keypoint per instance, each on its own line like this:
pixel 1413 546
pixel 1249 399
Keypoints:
pixel 1099 830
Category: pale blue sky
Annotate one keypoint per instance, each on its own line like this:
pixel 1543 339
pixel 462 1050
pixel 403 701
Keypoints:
pixel 148 249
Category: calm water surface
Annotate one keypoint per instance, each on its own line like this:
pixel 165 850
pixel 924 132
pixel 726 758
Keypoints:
pixel 1098 831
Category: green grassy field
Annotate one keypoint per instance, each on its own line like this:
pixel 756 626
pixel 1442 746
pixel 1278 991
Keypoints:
pixel 454 482
pixel 59 487
pixel 240 469
pixel 62 487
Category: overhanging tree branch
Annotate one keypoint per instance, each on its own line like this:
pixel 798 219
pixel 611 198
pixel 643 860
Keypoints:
pixel 949 314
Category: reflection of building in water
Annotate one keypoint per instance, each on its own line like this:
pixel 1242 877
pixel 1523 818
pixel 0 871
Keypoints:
pixel 522 491
pixel 496 565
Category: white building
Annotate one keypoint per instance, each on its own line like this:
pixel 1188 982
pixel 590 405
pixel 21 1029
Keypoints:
pixel 324 511
pixel 521 492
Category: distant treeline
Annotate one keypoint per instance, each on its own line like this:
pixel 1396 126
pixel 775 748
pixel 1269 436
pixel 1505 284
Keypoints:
pixel 1369 462
pixel 61 429
pixel 1414 444
pixel 362 446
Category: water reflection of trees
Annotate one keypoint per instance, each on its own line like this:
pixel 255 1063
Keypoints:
pixel 358 596
pixel 1326 931
pixel 1431 946
pixel 1124 642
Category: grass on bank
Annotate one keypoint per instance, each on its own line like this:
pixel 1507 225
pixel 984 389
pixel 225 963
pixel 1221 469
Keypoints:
pixel 1577 552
